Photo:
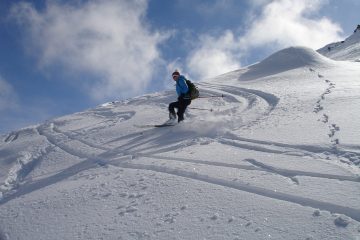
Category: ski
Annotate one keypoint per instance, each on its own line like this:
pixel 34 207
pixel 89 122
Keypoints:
pixel 164 125
pixel 154 125
pixel 213 96
pixel 201 109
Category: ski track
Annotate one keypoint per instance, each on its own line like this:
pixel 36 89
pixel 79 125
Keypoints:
pixel 70 136
pixel 253 97
pixel 273 147
pixel 11 137
pixel 23 168
pixel 283 148
pixel 296 173
pixel 252 103
pixel 25 163
pixel 333 208
pixel 258 166
pixel 108 117
pixel 61 141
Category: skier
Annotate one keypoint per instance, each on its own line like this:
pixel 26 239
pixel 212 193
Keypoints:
pixel 183 101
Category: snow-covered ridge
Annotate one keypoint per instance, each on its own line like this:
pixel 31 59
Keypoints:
pixel 276 158
pixel 347 50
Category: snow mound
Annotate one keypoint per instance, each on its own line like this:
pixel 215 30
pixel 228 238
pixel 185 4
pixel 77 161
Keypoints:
pixel 294 57
pixel 285 60
pixel 347 50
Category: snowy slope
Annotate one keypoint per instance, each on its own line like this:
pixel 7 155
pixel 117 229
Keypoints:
pixel 277 158
pixel 347 50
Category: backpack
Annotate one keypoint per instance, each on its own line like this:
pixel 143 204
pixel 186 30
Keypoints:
pixel 193 91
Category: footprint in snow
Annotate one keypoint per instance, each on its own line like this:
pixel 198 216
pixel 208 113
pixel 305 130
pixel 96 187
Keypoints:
pixel 325 118
pixel 342 221
pixel 215 216
pixel 316 213
pixel 106 195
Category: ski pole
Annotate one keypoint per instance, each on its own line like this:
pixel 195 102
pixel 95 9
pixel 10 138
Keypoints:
pixel 213 96
pixel 202 109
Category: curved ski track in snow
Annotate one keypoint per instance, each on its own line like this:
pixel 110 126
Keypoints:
pixel 334 208
pixel 259 166
pixel 253 100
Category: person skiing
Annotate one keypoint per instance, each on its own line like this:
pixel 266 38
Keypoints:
pixel 184 98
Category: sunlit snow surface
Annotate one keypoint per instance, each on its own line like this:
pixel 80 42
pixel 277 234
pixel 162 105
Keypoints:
pixel 276 158
pixel 348 50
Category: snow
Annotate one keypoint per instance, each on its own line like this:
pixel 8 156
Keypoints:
pixel 347 50
pixel 277 158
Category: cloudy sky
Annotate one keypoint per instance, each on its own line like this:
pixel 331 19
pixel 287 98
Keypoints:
pixel 60 57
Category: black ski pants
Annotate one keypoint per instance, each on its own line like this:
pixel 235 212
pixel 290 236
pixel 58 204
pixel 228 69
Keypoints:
pixel 181 104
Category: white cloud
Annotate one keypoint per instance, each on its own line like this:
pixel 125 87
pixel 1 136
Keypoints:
pixel 107 39
pixel 278 24
pixel 285 23
pixel 214 56
pixel 8 97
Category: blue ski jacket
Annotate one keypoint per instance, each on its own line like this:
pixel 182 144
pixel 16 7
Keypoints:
pixel 182 88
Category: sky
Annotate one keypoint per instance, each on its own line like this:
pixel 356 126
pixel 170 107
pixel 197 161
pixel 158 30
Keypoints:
pixel 61 57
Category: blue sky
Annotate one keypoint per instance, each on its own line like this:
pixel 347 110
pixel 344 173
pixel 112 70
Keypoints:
pixel 61 57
